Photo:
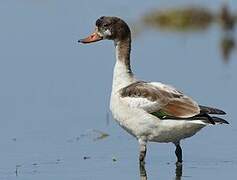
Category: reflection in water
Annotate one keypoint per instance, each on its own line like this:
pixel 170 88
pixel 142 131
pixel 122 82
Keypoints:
pixel 178 172
pixel 196 19
pixel 227 21
pixel 227 45
pixel 143 175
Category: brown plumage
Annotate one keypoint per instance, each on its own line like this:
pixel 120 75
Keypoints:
pixel 172 102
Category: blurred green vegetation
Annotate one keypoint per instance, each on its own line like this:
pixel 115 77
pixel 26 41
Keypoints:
pixel 189 18
pixel 194 18
pixel 179 19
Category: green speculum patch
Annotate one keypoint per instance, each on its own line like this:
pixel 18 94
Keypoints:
pixel 160 114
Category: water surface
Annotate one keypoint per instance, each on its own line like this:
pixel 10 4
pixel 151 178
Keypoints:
pixel 54 93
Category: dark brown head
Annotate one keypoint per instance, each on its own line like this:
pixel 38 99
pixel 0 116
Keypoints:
pixel 112 28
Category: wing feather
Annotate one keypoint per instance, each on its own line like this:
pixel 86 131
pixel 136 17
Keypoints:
pixel 154 96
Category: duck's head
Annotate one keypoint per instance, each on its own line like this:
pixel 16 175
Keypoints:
pixel 111 28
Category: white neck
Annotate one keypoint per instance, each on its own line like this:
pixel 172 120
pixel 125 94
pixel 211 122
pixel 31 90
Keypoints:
pixel 122 76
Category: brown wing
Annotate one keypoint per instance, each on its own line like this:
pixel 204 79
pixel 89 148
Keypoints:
pixel 181 107
pixel 161 97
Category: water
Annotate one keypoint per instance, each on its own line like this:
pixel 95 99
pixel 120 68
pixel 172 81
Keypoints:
pixel 54 93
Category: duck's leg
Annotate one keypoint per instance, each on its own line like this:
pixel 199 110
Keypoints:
pixel 178 153
pixel 142 149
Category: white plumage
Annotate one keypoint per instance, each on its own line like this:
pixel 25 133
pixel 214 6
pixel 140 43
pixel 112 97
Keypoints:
pixel 137 105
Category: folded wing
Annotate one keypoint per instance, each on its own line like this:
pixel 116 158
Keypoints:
pixel 153 97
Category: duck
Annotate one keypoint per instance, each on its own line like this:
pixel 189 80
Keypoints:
pixel 149 111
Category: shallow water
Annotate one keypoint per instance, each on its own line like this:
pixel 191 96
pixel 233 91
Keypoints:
pixel 54 93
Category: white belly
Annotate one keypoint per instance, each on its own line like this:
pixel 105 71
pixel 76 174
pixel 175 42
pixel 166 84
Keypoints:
pixel 142 124
pixel 175 130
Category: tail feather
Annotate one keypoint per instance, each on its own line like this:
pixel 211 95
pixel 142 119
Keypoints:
pixel 219 120
pixel 210 110
pixel 203 116
pixel 211 120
